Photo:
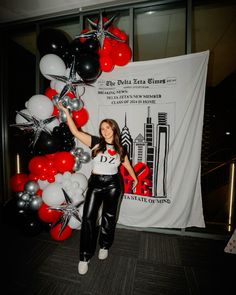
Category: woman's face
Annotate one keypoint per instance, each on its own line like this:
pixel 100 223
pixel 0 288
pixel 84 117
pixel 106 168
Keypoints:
pixel 107 132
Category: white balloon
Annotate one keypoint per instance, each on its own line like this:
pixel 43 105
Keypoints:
pixel 58 178
pixel 75 185
pixel 66 175
pixel 51 64
pixel 74 223
pixel 77 197
pixel 66 183
pixel 19 119
pixel 40 106
pixel 69 191
pixel 52 84
pixel 53 195
pixel 58 86
pixel 81 179
pixel 43 183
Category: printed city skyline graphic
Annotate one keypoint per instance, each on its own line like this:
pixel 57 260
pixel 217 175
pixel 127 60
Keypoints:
pixel 150 148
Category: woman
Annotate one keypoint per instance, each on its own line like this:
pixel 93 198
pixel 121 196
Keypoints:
pixel 104 188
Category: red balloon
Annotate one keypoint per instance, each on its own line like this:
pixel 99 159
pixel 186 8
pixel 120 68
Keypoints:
pixel 123 36
pixel 17 182
pixel 39 192
pixel 38 165
pixel 118 33
pixel 33 177
pixel 70 94
pixel 50 158
pixel 114 43
pixel 64 161
pixel 55 111
pixel 80 117
pixel 106 63
pixel 121 54
pixel 54 232
pixel 48 215
pixel 51 178
pixel 107 47
pixel 50 92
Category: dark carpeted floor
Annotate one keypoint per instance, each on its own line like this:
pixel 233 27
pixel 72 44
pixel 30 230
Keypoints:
pixel 139 263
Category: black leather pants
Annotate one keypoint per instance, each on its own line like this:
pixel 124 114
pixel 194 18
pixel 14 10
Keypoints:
pixel 106 190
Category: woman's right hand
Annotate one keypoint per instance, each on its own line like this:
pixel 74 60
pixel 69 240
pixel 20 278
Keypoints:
pixel 61 107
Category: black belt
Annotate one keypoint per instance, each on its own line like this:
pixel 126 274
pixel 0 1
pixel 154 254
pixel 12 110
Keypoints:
pixel 104 177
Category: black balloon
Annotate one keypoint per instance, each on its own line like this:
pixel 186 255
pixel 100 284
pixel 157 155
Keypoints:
pixel 75 49
pixel 46 144
pixel 88 67
pixel 67 58
pixel 93 80
pixel 67 138
pixel 29 223
pixel 90 46
pixel 52 41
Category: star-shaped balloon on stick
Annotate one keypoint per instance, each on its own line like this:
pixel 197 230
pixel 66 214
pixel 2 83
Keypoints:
pixel 71 82
pixel 100 30
pixel 34 124
pixel 68 210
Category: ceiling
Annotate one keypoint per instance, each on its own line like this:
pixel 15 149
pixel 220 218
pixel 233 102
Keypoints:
pixel 13 10
pixel 214 30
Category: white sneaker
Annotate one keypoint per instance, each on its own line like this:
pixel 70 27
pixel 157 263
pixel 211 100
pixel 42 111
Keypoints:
pixel 83 267
pixel 103 253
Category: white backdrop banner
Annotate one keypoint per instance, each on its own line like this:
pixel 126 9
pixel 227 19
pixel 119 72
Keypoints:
pixel 159 106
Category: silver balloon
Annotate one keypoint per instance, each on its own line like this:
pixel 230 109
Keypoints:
pixel 31 187
pixel 77 166
pixel 21 204
pixel 78 151
pixel 35 203
pixel 72 152
pixel 65 101
pixel 62 116
pixel 25 196
pixel 19 194
pixel 75 104
pixel 84 157
pixel 55 99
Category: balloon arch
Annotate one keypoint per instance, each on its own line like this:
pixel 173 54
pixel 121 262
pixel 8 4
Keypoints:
pixel 51 194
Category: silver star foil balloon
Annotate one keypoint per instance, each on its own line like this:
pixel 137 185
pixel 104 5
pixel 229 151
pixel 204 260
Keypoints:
pixel 100 30
pixel 71 82
pixel 35 125
pixel 68 210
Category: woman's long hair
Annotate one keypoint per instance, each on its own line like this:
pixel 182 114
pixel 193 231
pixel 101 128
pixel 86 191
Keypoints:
pixel 116 140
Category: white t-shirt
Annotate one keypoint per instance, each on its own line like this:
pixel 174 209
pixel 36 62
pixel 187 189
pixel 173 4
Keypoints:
pixel 105 163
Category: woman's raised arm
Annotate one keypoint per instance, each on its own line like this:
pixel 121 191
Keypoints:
pixel 80 135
